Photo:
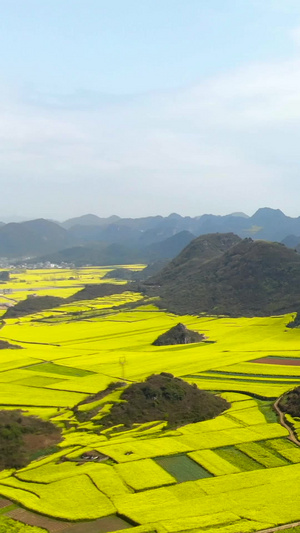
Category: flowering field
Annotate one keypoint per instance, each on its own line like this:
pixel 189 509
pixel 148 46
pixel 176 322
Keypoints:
pixel 236 473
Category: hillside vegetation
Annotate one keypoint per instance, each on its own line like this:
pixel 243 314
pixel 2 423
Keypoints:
pixel 200 250
pixel 290 402
pixel 164 397
pixel 21 435
pixel 36 304
pixel 32 304
pixel 253 278
pixel 179 334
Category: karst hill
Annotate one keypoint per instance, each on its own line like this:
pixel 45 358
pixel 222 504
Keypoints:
pixel 200 250
pixel 179 334
pixel 249 279
pixel 164 397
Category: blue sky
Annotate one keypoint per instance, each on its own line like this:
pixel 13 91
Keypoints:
pixel 141 107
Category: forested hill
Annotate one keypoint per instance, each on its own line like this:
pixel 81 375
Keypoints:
pixel 252 278
pixel 200 250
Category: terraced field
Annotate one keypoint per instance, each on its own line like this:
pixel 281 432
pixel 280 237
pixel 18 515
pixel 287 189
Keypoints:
pixel 236 473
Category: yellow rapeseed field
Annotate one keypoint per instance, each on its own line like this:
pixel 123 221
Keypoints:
pixel 248 472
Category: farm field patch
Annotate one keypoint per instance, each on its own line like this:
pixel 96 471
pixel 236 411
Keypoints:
pixel 182 468
pixel 273 360
pixel 285 449
pixel 238 458
pixel 145 474
pixel 52 368
pixel 214 463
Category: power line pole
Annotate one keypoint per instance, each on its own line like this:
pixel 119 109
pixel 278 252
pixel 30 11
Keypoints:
pixel 122 361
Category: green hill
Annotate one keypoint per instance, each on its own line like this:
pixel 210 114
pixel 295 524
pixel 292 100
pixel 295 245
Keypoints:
pixel 250 279
pixel 164 397
pixel 200 250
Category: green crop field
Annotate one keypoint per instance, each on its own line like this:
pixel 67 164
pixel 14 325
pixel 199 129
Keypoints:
pixel 236 473
pixel 183 468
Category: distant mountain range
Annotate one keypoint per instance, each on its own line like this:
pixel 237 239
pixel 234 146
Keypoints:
pixel 90 239
pixel 32 238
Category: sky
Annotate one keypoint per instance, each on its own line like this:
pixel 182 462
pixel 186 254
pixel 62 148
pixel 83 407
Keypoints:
pixel 146 107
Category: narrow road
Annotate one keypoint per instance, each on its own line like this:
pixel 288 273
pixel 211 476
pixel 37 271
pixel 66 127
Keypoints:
pixel 292 436
pixel 279 528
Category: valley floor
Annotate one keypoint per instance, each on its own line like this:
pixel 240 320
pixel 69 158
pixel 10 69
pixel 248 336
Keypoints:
pixel 237 473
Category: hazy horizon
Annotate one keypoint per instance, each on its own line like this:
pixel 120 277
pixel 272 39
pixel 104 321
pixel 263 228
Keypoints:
pixel 18 218
pixel 141 108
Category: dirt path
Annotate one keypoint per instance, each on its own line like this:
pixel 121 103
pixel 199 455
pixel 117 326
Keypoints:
pixel 279 528
pixel 282 421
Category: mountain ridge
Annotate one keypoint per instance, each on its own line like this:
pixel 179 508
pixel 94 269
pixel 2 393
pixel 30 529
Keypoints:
pixel 147 236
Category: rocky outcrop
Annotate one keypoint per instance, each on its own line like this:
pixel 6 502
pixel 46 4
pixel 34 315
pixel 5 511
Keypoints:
pixel 179 334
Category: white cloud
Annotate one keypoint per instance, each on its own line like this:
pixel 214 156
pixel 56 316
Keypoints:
pixel 229 143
